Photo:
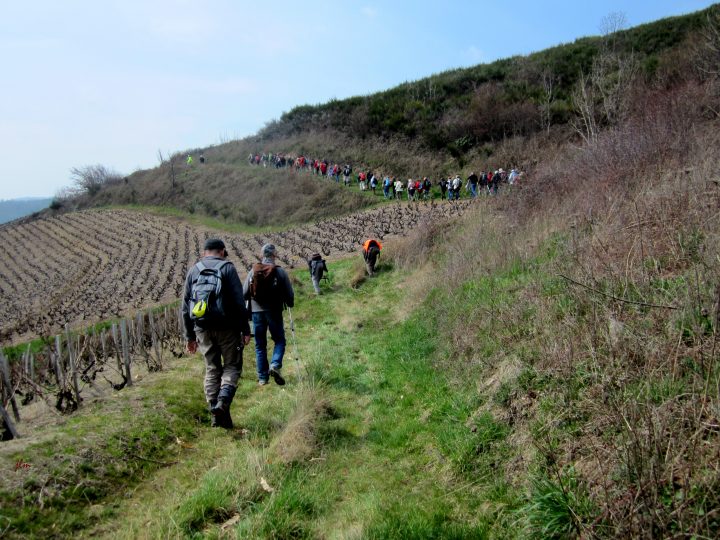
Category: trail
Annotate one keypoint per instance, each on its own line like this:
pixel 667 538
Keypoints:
pixel 358 444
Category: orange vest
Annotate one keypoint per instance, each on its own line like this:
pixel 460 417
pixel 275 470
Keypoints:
pixel 368 243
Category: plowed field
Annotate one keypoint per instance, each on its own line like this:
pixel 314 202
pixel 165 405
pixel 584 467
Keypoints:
pixel 84 267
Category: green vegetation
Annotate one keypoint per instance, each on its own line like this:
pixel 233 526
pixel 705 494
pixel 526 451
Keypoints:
pixel 512 112
pixel 544 366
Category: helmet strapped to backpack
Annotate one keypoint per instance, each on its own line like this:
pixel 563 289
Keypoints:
pixel 205 298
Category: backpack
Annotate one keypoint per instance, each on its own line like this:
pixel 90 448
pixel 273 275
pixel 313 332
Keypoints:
pixel 317 266
pixel 205 294
pixel 264 283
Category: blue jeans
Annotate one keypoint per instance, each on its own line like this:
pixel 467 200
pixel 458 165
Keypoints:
pixel 262 321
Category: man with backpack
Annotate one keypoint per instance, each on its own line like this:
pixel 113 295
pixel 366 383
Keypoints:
pixel 269 290
pixel 317 267
pixel 216 322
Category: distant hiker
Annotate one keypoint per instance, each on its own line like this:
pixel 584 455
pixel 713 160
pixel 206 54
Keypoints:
pixel 202 158
pixel 398 189
pixel 371 252
pixel 443 187
pixel 347 171
pixel 386 187
pixel 512 177
pixel 189 160
pixel 410 189
pixel 317 266
pixel 456 185
pixel 494 183
pixel 269 290
pixel 483 182
pixel 361 180
pixel 427 188
pixel 373 183
pixel 216 322
pixel 472 183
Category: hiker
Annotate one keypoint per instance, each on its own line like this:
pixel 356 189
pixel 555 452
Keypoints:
pixel 269 290
pixel 216 322
pixel 410 189
pixel 373 183
pixel 371 252
pixel 347 171
pixel 189 160
pixel 398 189
pixel 202 158
pixel 427 188
pixel 443 187
pixel 472 184
pixel 494 183
pixel 361 180
pixel 456 185
pixel 317 267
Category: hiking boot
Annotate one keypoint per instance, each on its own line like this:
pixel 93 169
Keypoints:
pixel 221 409
pixel 213 417
pixel 275 374
pixel 261 382
pixel 226 420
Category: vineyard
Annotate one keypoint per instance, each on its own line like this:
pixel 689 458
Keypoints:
pixel 80 268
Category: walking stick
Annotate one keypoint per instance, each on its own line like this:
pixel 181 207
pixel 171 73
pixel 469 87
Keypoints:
pixel 294 340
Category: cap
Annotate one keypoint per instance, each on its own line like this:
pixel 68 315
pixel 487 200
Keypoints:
pixel 214 244
pixel 268 250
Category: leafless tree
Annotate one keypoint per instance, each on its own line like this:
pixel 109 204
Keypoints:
pixel 548 98
pixel 602 97
pixel 707 52
pixel 91 178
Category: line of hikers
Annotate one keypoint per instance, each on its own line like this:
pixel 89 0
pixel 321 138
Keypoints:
pixel 487 182
pixel 217 307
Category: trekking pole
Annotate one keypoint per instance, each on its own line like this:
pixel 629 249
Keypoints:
pixel 294 340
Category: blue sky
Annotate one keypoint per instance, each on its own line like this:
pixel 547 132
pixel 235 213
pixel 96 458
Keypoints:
pixel 113 82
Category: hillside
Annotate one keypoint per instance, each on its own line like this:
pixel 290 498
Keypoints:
pixel 515 112
pixel 543 363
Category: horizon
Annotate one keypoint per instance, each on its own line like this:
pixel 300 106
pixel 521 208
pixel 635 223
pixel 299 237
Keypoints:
pixel 113 84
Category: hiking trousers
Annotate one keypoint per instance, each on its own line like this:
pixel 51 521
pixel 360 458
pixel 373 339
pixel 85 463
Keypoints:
pixel 222 350
pixel 262 322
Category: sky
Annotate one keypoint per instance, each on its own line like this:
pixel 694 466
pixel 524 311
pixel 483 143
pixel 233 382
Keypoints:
pixel 87 82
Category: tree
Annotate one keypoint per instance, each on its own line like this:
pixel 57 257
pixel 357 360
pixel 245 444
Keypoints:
pixel 547 99
pixel 91 178
pixel 602 97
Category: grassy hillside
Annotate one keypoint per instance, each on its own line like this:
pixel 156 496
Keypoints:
pixel 519 111
pixel 232 193
pixel 544 366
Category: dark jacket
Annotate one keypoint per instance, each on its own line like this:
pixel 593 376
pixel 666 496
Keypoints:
pixel 285 293
pixel 236 316
pixel 317 268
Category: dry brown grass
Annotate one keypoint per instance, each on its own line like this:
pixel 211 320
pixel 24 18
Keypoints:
pixel 298 441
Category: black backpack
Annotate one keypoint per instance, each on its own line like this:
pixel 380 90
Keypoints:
pixel 205 298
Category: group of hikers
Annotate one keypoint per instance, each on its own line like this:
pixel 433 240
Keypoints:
pixel 485 183
pixel 217 307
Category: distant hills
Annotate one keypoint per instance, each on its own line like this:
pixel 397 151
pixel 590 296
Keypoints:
pixel 17 208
